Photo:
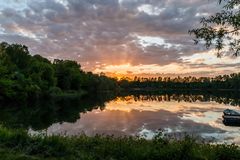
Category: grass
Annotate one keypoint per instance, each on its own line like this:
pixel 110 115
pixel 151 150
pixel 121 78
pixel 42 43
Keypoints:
pixel 18 145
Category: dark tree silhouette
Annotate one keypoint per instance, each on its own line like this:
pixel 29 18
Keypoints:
pixel 222 29
pixel 23 76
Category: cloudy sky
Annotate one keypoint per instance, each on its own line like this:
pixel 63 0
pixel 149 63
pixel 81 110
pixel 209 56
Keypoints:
pixel 119 37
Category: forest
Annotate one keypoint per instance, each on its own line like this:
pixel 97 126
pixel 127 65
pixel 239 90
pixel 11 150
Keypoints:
pixel 23 76
pixel 220 82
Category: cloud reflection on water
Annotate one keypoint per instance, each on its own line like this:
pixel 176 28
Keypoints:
pixel 143 117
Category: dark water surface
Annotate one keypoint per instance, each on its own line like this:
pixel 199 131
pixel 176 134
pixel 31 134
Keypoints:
pixel 140 114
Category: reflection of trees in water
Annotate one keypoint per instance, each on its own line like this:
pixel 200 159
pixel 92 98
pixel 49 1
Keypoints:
pixel 42 114
pixel 166 97
pixel 231 98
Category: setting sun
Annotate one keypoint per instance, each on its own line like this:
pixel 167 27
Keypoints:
pixel 119 79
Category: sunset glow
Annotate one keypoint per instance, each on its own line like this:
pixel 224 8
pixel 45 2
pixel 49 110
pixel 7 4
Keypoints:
pixel 118 37
pixel 120 79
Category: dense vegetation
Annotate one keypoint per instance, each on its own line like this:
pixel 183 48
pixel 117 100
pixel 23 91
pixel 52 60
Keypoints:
pixel 35 79
pixel 227 82
pixel 23 75
pixel 16 144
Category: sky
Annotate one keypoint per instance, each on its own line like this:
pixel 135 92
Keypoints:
pixel 117 37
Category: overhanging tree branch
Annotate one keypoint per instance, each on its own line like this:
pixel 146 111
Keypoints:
pixel 222 29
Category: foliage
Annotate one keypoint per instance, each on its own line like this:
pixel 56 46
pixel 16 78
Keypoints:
pixel 221 82
pixel 16 144
pixel 222 29
pixel 24 76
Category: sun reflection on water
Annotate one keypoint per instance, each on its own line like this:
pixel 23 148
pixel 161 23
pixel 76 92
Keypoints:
pixel 144 117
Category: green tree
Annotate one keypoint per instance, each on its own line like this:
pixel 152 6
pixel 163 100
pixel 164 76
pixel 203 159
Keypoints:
pixel 222 29
pixel 68 74
pixel 16 54
pixel 42 74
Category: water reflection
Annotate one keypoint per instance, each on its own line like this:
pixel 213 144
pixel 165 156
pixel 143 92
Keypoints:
pixel 146 114
pixel 40 115
pixel 221 97
pixel 198 114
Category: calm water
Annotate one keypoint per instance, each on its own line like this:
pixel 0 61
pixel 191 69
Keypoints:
pixel 146 115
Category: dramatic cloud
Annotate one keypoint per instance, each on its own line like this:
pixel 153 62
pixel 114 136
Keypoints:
pixel 100 34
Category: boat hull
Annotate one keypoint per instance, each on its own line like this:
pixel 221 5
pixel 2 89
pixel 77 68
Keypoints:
pixel 231 120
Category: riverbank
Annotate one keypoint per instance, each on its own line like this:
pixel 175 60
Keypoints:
pixel 17 144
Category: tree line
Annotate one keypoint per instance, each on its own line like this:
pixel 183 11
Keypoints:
pixel 231 81
pixel 23 75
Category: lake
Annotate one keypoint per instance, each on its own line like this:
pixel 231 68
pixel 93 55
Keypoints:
pixel 145 115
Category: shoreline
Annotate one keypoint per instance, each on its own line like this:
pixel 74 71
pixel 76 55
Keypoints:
pixel 17 144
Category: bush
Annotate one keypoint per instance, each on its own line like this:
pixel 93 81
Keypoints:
pixel 17 142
